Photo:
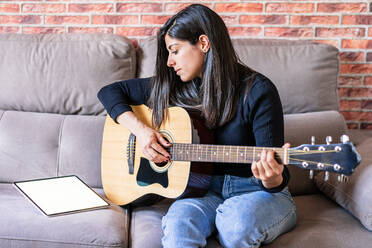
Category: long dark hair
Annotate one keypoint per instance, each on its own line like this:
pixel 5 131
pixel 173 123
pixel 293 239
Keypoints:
pixel 216 94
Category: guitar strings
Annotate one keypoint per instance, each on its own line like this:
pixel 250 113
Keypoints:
pixel 236 152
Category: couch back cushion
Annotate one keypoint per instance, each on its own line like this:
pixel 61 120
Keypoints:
pixel 295 67
pixel 61 73
pixel 37 145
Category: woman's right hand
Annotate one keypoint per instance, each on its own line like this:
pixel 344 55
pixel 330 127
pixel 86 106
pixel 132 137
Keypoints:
pixel 152 144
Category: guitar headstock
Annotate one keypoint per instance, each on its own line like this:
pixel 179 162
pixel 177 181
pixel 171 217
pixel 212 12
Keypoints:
pixel 340 158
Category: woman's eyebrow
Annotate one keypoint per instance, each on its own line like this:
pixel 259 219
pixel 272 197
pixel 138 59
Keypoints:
pixel 170 46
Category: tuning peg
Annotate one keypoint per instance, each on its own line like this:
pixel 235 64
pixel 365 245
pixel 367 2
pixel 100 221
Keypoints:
pixel 311 174
pixel 329 140
pixel 313 140
pixel 326 176
pixel 344 138
pixel 342 178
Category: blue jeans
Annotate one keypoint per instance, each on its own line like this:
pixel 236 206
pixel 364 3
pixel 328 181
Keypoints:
pixel 237 208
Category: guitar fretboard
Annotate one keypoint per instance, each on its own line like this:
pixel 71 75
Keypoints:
pixel 222 153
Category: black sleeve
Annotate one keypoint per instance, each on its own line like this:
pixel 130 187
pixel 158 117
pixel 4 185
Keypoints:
pixel 266 116
pixel 117 97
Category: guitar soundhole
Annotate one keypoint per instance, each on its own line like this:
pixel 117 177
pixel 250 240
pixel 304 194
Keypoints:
pixel 161 164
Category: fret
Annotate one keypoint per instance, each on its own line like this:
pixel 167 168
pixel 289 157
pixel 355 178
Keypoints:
pixel 230 155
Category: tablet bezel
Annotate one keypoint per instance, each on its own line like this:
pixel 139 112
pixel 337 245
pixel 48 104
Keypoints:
pixel 107 205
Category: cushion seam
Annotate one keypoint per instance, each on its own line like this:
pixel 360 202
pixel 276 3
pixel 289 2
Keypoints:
pixel 59 144
pixel 2 114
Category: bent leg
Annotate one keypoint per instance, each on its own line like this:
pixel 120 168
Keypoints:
pixel 190 221
pixel 255 218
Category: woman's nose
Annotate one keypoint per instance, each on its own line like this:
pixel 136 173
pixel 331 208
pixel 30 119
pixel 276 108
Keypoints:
pixel 170 62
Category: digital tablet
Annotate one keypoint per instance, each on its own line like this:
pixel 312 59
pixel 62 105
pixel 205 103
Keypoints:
pixel 61 195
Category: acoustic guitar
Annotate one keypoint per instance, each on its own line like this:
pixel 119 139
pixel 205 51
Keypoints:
pixel 127 175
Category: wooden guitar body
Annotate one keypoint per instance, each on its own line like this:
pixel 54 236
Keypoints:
pixel 124 182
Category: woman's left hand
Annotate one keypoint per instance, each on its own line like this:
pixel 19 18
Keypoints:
pixel 268 170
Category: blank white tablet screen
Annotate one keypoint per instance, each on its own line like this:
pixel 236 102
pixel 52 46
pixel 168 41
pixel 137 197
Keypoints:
pixel 61 194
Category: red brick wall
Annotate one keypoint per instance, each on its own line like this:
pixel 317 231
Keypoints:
pixel 344 24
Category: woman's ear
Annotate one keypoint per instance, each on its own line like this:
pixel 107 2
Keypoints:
pixel 204 43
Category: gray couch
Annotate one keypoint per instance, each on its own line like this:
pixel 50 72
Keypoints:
pixel 51 124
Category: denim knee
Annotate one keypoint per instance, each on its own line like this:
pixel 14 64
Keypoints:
pixel 188 223
pixel 234 230
pixel 250 220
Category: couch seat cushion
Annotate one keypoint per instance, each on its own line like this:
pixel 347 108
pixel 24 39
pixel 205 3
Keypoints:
pixel 23 225
pixel 146 226
pixel 321 223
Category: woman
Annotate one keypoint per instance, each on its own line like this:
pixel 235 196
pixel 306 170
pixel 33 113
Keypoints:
pixel 197 68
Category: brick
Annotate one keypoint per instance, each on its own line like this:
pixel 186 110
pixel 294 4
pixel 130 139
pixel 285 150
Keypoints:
pixel 175 7
pixel 134 42
pixel 310 20
pixel 43 8
pixel 136 31
pixel 349 81
pixel 352 125
pixel 369 57
pixel 351 56
pixel 290 7
pixel 367 104
pixel 154 19
pixel 263 19
pixel 357 44
pixel 370 32
pixel 356 69
pixel 355 92
pixel 357 20
pixel 66 19
pixel 43 30
pixel 9 8
pixel 138 7
pixel 245 31
pixel 115 19
pixel 238 7
pixel 289 32
pixel 81 8
pixel 365 125
pixel 20 19
pixel 90 30
pixel 329 42
pixel 342 7
pixel 350 105
pixel 357 116
pixel 340 32
pixel 368 81
pixel 9 30
pixel 230 19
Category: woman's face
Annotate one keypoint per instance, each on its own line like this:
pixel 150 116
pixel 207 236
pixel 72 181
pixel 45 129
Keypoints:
pixel 186 59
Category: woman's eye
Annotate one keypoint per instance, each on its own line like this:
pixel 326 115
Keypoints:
pixel 175 52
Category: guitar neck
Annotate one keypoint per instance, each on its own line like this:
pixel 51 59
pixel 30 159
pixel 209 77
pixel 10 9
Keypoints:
pixel 222 153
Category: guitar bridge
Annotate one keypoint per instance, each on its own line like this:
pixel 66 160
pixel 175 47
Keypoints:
pixel 131 150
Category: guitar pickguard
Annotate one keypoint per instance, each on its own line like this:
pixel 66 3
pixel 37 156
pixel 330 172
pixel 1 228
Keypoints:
pixel 147 176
